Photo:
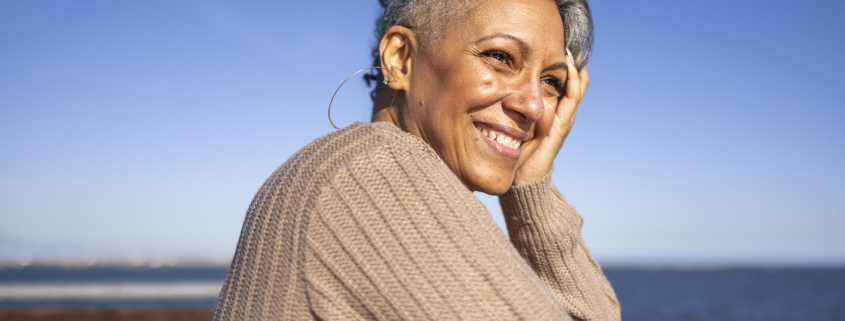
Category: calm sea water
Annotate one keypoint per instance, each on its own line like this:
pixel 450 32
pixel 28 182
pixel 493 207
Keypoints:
pixel 742 294
pixel 737 294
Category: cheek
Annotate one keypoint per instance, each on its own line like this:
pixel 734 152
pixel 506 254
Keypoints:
pixel 474 87
pixel 540 129
pixel 548 119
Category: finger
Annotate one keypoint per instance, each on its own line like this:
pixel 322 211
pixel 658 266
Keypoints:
pixel 573 80
pixel 572 92
pixel 585 80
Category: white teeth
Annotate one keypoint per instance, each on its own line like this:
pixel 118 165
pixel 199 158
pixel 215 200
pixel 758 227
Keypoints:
pixel 503 140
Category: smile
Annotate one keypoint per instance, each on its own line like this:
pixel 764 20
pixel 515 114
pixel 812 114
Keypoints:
pixel 499 138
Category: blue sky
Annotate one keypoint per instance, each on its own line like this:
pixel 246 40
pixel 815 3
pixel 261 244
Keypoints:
pixel 712 132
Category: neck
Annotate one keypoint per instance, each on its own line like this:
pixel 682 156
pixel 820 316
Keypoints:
pixel 386 106
pixel 389 114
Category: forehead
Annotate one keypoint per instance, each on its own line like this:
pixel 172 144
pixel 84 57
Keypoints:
pixel 537 22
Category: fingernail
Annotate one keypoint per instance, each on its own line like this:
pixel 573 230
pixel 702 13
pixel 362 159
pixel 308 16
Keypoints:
pixel 569 54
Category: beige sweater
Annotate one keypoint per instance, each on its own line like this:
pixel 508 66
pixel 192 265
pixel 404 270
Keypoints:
pixel 367 223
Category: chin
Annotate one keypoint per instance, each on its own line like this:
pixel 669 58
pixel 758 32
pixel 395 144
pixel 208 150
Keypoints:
pixel 491 184
pixel 496 191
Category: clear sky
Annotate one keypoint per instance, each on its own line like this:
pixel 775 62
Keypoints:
pixel 713 132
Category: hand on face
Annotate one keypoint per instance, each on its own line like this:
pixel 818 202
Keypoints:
pixel 552 137
pixel 495 99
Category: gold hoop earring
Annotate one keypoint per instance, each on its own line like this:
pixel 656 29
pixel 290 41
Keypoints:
pixel 386 81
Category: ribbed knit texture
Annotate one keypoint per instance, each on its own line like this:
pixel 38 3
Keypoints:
pixel 546 230
pixel 367 223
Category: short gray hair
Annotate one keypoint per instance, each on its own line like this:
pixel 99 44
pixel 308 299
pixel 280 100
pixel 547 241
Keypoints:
pixel 428 18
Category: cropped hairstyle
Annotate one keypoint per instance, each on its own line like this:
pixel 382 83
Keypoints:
pixel 428 19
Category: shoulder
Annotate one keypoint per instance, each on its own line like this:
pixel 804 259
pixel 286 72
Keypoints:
pixel 396 174
pixel 383 167
pixel 357 147
pixel 357 141
pixel 389 148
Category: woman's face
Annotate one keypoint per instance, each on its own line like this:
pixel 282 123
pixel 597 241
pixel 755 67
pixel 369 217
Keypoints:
pixel 497 72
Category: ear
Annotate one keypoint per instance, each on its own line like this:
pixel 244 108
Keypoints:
pixel 395 50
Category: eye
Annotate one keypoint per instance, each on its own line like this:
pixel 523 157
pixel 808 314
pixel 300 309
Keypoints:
pixel 557 84
pixel 499 55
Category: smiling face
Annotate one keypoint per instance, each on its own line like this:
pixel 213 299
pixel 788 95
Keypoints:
pixel 488 89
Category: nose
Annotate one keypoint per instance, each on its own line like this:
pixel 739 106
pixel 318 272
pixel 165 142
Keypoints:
pixel 527 101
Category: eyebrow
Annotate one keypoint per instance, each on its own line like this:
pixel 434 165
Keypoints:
pixel 559 65
pixel 525 47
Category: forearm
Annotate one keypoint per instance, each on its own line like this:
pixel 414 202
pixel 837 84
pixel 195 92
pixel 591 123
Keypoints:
pixel 547 233
pixel 401 238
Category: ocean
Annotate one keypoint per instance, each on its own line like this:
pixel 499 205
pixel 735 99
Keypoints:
pixel 729 294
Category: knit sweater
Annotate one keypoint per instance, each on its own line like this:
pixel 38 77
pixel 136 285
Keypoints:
pixel 368 223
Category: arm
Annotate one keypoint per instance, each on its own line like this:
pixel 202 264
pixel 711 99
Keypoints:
pixel 397 236
pixel 389 233
pixel 546 231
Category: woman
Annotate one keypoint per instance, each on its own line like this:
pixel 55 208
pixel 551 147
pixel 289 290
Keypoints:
pixel 378 221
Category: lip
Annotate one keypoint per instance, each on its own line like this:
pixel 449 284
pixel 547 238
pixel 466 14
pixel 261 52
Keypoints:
pixel 510 131
pixel 512 153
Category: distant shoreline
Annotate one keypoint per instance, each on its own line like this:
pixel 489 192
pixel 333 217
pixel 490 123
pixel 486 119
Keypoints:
pixel 117 264
pixel 114 314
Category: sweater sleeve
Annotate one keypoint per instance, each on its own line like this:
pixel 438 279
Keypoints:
pixel 546 231
pixel 396 236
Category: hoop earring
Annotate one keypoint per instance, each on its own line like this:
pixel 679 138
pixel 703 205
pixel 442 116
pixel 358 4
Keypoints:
pixel 386 81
